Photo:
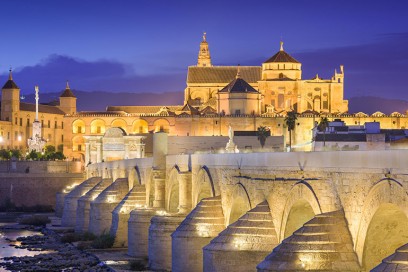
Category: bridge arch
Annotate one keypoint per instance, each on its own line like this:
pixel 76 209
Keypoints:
pixel 301 205
pixel 241 203
pixel 383 226
pixel 203 186
pixel 173 190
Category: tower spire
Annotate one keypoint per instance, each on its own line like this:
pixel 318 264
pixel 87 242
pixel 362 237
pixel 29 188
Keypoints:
pixel 204 58
pixel 67 86
pixel 238 72
pixel 10 74
pixel 281 46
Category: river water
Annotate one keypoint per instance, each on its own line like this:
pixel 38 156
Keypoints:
pixel 6 248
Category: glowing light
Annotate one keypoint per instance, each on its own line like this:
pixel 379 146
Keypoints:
pixel 1 139
pixel 203 230
pixel 19 138
pixel 238 243
pixel 161 213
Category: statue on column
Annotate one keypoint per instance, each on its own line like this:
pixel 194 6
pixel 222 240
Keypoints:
pixel 36 142
pixel 231 146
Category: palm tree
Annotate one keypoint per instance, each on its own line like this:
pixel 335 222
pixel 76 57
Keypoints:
pixel 324 123
pixel 262 133
pixel 290 121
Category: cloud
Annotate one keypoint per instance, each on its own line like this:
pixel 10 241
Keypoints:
pixel 378 68
pixel 101 75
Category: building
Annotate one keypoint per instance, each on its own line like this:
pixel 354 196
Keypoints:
pixel 216 97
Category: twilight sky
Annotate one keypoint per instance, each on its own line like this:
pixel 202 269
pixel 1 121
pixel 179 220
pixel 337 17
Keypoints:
pixel 146 45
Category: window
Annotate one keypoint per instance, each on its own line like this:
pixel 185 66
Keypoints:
pixel 15 135
pixel 49 124
pixel 15 120
pixel 281 101
pixel 28 122
pixel 62 138
pixel 55 124
pixel 21 122
pixel 42 123
pixel 62 125
pixel 98 129
pixel 49 137
pixel 8 135
pixel 79 147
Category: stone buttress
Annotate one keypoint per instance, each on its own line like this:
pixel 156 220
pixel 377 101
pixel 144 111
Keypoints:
pixel 84 205
pixel 244 243
pixel 120 215
pixel 71 201
pixel 397 262
pixel 138 231
pixel 201 225
pixel 324 244
pixel 159 249
pixel 100 215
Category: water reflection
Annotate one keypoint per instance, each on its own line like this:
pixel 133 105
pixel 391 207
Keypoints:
pixel 9 251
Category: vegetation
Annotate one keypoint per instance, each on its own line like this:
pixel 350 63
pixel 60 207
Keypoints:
pixel 290 121
pixel 262 133
pixel 323 124
pixel 49 154
pixel 102 241
pixel 75 237
pixel 138 265
pixel 35 220
pixel 8 154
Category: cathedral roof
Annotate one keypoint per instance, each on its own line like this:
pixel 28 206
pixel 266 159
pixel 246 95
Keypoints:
pixel 282 56
pixel 222 74
pixel 41 108
pixel 238 85
pixel 140 109
pixel 67 92
pixel 10 84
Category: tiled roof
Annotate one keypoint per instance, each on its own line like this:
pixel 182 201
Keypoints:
pixel 281 56
pixel 238 85
pixel 140 109
pixel 67 93
pixel 10 84
pixel 222 74
pixel 41 108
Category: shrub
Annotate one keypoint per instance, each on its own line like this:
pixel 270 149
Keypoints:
pixel 137 265
pixel 70 238
pixel 103 241
pixel 35 220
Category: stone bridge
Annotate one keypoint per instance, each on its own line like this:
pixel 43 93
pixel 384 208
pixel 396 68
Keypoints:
pixel 326 211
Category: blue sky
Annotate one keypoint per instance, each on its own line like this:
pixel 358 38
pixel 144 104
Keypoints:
pixel 146 45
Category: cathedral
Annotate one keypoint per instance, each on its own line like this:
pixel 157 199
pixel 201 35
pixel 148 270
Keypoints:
pixel 215 98
pixel 275 87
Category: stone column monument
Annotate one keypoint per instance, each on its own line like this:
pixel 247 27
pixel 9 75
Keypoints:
pixel 231 146
pixel 36 142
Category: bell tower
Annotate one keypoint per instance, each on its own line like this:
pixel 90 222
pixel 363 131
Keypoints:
pixel 204 58
pixel 10 99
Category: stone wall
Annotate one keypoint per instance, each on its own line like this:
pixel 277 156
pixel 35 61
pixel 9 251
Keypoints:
pixel 35 189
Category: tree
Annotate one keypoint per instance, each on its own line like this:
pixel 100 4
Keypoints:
pixel 290 121
pixel 323 124
pixel 262 133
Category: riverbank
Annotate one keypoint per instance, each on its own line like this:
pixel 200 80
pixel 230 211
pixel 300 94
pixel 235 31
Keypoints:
pixel 45 251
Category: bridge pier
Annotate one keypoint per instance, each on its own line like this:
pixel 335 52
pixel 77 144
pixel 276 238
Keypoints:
pixel 84 205
pixel 120 215
pixel 71 201
pixel 185 189
pixel 160 230
pixel 102 207
pixel 138 231
pixel 244 243
pixel 159 181
pixel 204 223
pixel 323 243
